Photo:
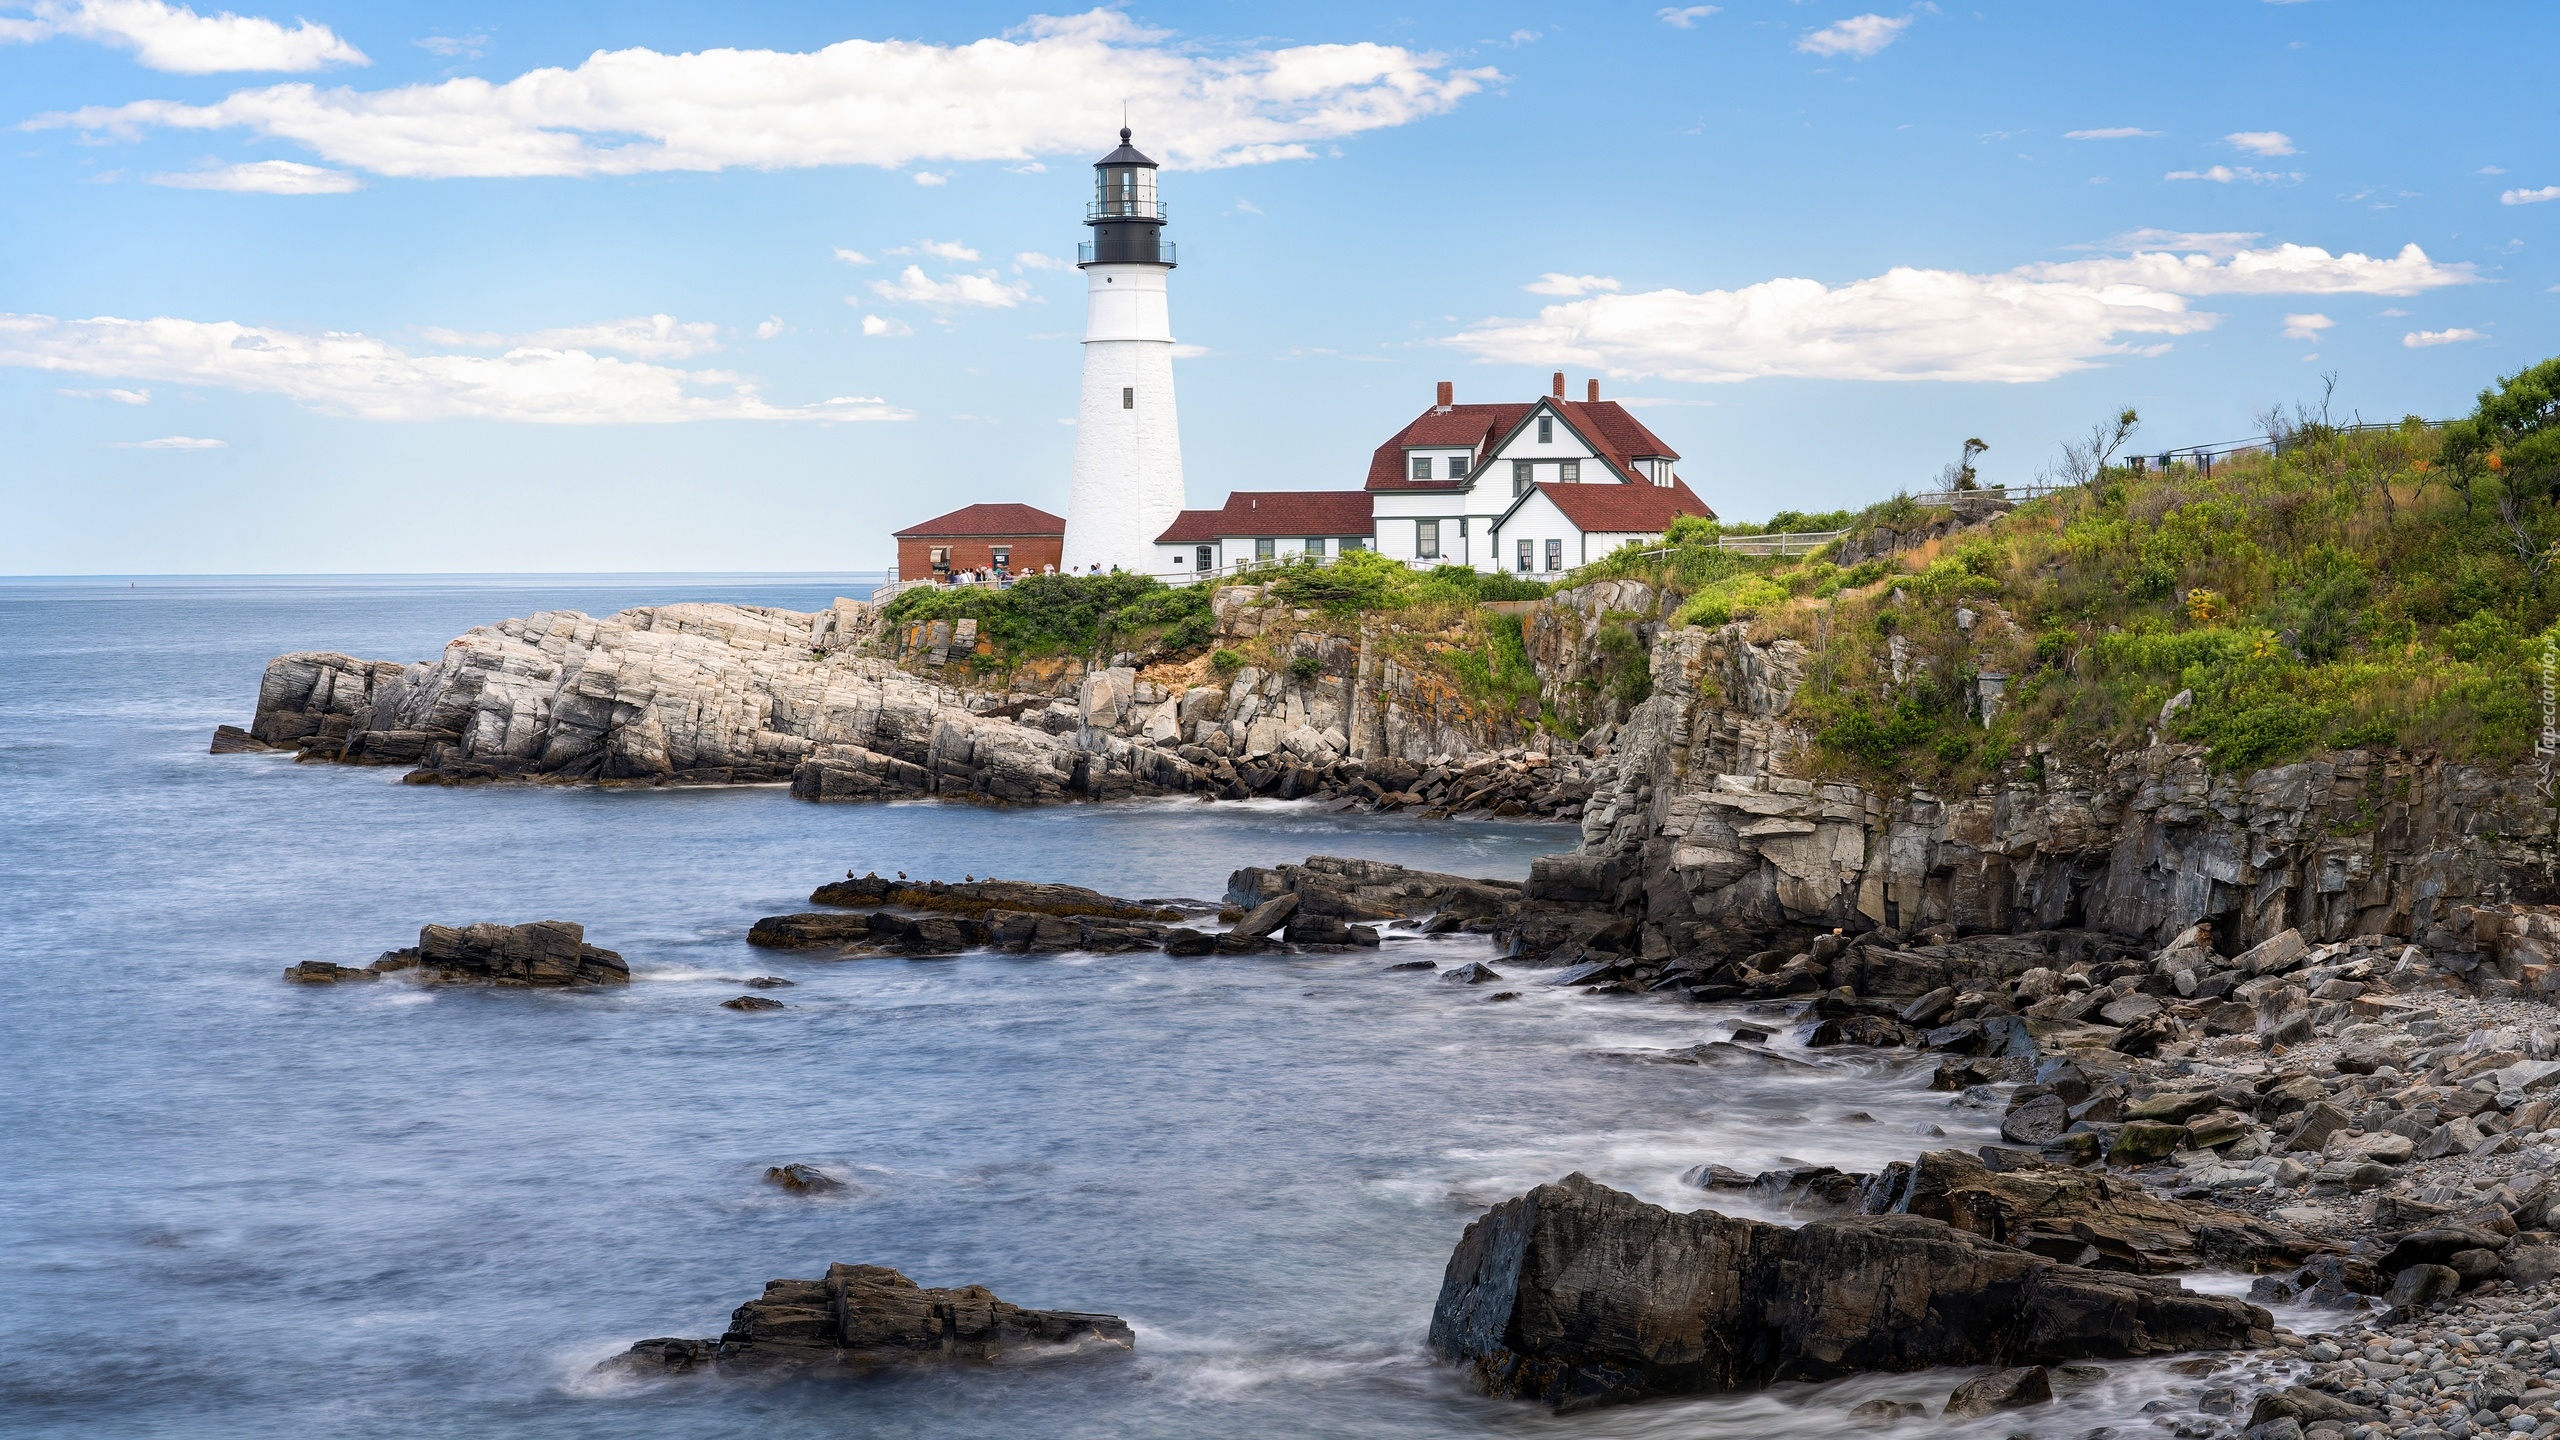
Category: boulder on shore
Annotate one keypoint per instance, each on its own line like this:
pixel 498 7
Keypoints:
pixel 860 1317
pixel 1580 1295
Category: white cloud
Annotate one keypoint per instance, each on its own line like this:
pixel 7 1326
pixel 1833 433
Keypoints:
pixel 1859 35
pixel 170 442
pixel 121 397
pixel 2274 270
pixel 1556 282
pixel 2306 327
pixel 938 249
pixel 928 178
pixel 651 337
pixel 2217 243
pixel 1189 352
pixel 2225 174
pixel 2421 339
pixel 455 47
pixel 879 325
pixel 2032 323
pixel 2112 132
pixel 1245 207
pixel 2261 142
pixel 979 291
pixel 1034 260
pixel 180 41
pixel 1053 87
pixel 770 327
pixel 371 379
pixel 2530 197
pixel 2491 170
pixel 1683 16
pixel 853 257
pixel 264 177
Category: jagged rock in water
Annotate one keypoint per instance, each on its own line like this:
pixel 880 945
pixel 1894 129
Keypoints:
pixel 544 953
pixel 862 1317
pixel 802 1179
pixel 321 972
pixel 978 897
pixel 1577 1294
pixel 2000 1390
pixel 752 1002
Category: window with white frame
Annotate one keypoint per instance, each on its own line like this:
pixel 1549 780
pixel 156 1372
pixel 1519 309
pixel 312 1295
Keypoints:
pixel 1204 557
pixel 1262 548
pixel 1426 539
pixel 1523 475
pixel 1555 555
pixel 1546 429
pixel 1570 472
pixel 1458 467
pixel 1421 467
pixel 1315 544
pixel 1527 554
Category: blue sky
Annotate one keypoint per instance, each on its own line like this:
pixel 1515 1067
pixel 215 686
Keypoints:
pixel 457 287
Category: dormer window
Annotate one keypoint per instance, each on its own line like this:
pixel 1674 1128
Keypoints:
pixel 1421 467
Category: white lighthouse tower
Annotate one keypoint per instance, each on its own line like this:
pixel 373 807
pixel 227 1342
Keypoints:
pixel 1128 478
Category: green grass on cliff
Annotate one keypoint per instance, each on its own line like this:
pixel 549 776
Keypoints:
pixel 2388 587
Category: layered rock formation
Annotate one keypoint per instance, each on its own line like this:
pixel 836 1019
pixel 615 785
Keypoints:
pixel 1577 1294
pixel 727 694
pixel 1706 822
pixel 864 1317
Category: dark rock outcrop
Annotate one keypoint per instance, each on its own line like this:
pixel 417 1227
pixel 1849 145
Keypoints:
pixel 545 953
pixel 978 898
pixel 1577 1294
pixel 863 1317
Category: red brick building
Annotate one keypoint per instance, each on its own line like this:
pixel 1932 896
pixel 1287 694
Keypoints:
pixel 1022 539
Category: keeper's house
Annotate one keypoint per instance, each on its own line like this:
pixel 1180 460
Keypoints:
pixel 1534 488
pixel 1020 539
pixel 1263 525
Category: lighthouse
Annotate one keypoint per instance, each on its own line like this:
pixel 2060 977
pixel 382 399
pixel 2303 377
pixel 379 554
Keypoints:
pixel 1128 475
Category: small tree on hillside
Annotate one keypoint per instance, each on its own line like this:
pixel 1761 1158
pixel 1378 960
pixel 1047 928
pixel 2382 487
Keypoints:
pixel 2085 459
pixel 1959 473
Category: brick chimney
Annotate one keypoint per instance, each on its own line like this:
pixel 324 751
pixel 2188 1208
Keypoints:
pixel 1559 386
pixel 1448 394
pixel 1594 396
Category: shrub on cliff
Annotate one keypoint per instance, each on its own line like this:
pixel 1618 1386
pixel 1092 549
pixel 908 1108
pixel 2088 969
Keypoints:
pixel 1042 615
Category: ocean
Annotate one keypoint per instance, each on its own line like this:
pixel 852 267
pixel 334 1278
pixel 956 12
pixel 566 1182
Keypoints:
pixel 236 1207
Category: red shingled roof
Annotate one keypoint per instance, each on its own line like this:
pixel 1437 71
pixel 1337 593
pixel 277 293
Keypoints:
pixel 1276 513
pixel 1625 509
pixel 1619 437
pixel 991 521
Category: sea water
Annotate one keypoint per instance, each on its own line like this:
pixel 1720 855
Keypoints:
pixel 230 1206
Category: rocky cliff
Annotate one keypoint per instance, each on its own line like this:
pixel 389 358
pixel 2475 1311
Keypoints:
pixel 726 694
pixel 1709 821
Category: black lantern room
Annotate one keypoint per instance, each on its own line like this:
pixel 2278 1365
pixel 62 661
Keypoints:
pixel 1126 216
